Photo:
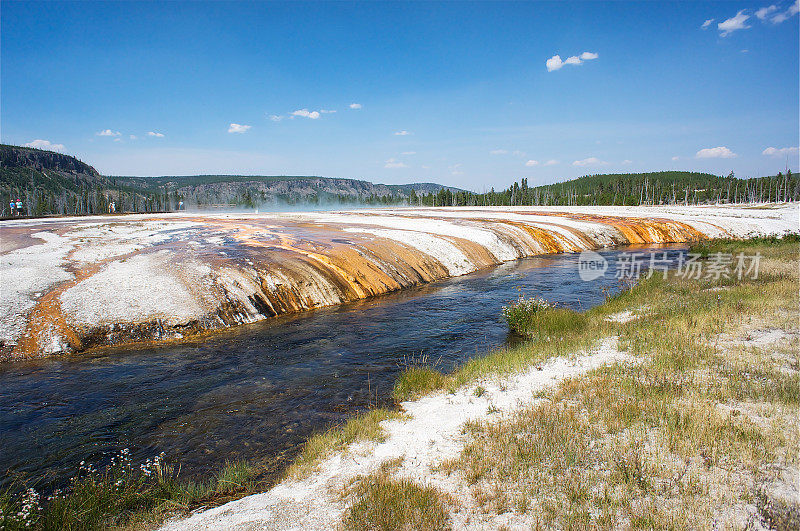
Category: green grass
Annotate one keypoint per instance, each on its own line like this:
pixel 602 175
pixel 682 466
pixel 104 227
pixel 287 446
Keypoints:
pixel 127 496
pixel 725 245
pixel 649 445
pixel 519 314
pixel 554 332
pixel 124 496
pixel 417 381
pixel 538 320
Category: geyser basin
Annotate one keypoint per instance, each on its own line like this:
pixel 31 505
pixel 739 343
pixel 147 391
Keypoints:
pixel 74 283
pixel 257 392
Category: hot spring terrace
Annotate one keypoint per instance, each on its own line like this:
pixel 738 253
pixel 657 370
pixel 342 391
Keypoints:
pixel 69 284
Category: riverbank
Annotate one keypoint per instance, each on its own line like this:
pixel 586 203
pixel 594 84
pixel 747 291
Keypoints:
pixel 676 399
pixel 256 393
pixel 73 284
pixel 674 406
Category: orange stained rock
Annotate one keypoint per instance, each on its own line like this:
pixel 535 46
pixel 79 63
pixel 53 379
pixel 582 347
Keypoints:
pixel 296 265
pixel 47 321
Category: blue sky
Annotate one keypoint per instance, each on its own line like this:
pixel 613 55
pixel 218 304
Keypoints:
pixel 465 94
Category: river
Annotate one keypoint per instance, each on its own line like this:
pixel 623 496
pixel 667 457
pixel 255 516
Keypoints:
pixel 256 392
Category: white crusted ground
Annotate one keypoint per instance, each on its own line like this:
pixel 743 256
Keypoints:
pixel 154 284
pixel 141 288
pixel 25 274
pixel 101 240
pixel 740 221
pixel 432 435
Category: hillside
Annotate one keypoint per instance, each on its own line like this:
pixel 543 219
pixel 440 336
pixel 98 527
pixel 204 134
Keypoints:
pixel 52 183
pixel 274 190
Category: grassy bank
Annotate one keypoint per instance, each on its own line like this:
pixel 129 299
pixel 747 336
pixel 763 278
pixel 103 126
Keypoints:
pixel 124 495
pixel 695 432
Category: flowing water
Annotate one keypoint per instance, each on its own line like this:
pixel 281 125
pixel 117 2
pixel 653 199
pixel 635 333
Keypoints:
pixel 258 391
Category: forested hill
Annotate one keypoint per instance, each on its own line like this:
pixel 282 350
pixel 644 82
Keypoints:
pixel 263 190
pixel 52 183
pixel 667 187
pixel 49 183
pixel 656 188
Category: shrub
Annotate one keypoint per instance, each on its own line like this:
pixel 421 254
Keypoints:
pixel 519 314
pixel 538 319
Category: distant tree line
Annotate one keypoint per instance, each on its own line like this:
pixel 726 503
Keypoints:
pixel 49 183
pixel 47 192
pixel 658 188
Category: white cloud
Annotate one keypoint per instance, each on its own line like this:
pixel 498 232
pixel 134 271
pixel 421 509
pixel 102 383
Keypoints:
pixel 108 132
pixel 305 113
pixel 355 105
pixel 394 163
pixel 591 161
pixel 134 137
pixel 551 162
pixel 780 152
pixel 44 144
pixel 676 157
pixel 455 169
pixel 325 111
pixel 780 17
pixel 555 62
pixel 238 128
pixel 707 23
pixel 793 10
pixel 498 152
pixel 155 134
pixel 764 12
pixel 408 153
pixel 518 153
pixel 720 152
pixel 276 118
pixel 734 23
pixel 402 133
pixel 626 162
pixel 532 163
pixel 117 140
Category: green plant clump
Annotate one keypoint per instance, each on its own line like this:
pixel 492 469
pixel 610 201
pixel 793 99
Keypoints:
pixel 520 314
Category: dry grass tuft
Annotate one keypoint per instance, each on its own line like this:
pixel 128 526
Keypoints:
pixel 382 502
